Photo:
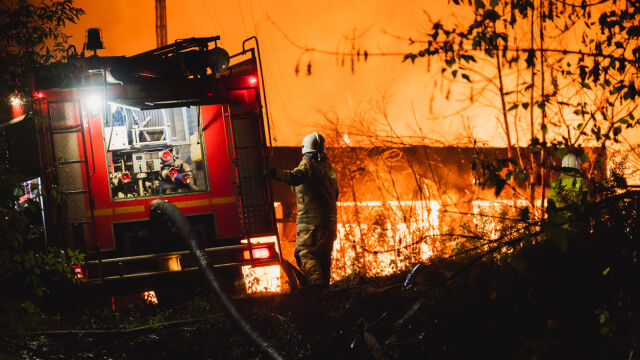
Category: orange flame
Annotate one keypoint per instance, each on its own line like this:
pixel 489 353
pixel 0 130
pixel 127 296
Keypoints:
pixel 380 238
pixel 263 279
pixel 150 297
pixel 384 244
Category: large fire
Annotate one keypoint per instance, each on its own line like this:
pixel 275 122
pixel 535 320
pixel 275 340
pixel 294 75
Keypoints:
pixel 384 237
pixel 379 238
pixel 384 246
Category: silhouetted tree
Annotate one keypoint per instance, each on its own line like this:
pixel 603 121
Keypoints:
pixel 31 35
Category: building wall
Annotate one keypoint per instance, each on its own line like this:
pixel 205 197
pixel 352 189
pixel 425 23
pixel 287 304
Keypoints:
pixel 443 174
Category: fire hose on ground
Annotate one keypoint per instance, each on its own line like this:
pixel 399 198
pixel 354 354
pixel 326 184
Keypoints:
pixel 187 234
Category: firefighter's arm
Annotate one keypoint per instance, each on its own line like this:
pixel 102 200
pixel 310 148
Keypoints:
pixel 293 177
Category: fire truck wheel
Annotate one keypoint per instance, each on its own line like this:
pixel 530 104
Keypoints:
pixel 294 276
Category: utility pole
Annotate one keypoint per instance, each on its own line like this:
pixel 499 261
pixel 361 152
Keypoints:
pixel 161 23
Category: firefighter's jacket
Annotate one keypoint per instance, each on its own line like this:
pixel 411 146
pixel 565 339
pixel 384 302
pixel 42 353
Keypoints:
pixel 316 187
pixel 569 195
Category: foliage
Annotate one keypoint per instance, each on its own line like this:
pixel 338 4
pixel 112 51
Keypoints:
pixel 403 204
pixel 26 269
pixel 539 300
pixel 31 35
pixel 578 92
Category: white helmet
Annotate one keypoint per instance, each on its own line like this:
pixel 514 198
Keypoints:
pixel 313 142
pixel 571 162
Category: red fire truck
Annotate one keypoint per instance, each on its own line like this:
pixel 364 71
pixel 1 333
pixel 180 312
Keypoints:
pixel 185 123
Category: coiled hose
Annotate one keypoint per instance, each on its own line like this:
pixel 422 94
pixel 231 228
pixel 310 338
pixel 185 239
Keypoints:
pixel 187 234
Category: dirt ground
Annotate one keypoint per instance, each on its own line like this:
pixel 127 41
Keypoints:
pixel 446 310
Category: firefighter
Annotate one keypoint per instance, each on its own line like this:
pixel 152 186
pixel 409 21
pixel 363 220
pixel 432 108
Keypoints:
pixel 315 183
pixel 568 194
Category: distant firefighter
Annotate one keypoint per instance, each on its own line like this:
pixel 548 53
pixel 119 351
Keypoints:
pixel 568 193
pixel 315 184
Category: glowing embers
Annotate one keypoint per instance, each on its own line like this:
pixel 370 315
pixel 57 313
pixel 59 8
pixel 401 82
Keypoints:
pixel 150 297
pixel 262 279
pixel 379 238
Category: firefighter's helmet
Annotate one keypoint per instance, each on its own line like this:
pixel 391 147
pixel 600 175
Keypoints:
pixel 313 142
pixel 571 163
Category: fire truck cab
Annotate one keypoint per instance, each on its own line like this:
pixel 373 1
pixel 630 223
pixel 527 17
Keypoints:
pixel 184 123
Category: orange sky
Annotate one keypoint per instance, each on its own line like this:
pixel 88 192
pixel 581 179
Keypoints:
pixel 415 97
pixel 296 102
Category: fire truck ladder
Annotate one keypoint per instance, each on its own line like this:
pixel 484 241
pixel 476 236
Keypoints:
pixel 256 208
pixel 257 214
pixel 254 202
pixel 70 178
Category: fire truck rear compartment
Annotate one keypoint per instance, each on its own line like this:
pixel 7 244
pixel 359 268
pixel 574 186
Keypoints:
pixel 196 141
pixel 135 238
pixel 153 152
pixel 152 246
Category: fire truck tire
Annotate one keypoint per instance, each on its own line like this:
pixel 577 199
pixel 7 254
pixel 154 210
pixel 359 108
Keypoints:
pixel 294 276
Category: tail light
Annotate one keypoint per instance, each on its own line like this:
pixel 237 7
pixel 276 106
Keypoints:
pixel 258 254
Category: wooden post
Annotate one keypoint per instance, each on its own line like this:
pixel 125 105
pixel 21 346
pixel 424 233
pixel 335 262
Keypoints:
pixel 161 23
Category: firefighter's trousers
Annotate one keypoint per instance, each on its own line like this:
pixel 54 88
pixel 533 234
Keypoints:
pixel 314 244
